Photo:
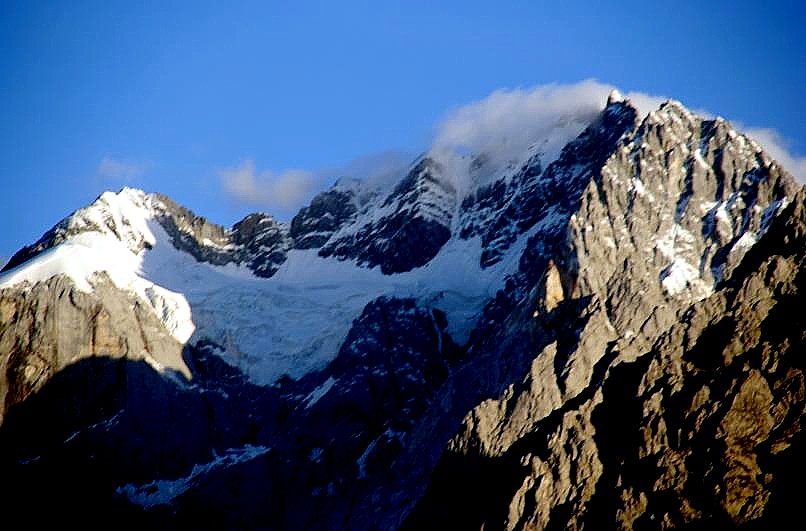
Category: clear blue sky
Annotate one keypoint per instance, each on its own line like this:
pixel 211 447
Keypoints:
pixel 174 92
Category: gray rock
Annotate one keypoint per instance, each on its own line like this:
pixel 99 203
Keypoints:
pixel 410 226
pixel 313 226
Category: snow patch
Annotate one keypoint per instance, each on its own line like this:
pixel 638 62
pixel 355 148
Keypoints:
pixel 163 491
pixel 679 276
pixel 315 395
pixel 700 160
pixel 747 240
pixel 638 186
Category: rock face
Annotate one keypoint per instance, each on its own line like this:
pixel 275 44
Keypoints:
pixel 313 226
pixel 634 360
pixel 52 325
pixel 697 429
pixel 407 230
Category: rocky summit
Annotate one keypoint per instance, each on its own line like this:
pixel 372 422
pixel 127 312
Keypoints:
pixel 610 336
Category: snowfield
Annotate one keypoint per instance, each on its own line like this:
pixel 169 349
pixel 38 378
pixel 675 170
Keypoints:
pixel 292 323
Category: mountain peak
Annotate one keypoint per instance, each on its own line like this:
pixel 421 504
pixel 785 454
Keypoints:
pixel 386 351
pixel 614 97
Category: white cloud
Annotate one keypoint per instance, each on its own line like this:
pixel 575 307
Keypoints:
pixel 778 148
pixel 645 103
pixel 268 189
pixel 506 123
pixel 512 119
pixel 283 193
pixel 114 169
pixel 501 126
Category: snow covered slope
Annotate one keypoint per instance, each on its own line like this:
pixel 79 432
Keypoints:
pixel 111 237
pixel 289 324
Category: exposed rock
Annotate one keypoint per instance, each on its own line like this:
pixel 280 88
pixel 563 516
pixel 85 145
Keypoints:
pixel 407 230
pixel 697 429
pixel 52 325
pixel 313 226
pixel 258 241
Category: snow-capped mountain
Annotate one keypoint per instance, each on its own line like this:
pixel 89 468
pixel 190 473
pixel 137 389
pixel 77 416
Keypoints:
pixel 349 369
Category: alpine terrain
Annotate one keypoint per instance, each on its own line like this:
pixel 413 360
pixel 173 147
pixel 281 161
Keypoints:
pixel 604 331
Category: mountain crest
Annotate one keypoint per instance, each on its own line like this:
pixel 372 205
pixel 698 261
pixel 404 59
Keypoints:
pixel 607 332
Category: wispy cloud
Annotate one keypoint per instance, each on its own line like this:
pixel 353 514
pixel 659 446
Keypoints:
pixel 268 189
pixel 502 126
pixel 514 118
pixel 283 192
pixel 778 148
pixel 113 169
pixel 378 170
pixel 506 123
pixel 509 120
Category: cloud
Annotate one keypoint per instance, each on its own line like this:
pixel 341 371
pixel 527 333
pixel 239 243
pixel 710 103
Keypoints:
pixel 507 121
pixel 505 124
pixel 268 189
pixel 512 119
pixel 113 169
pixel 502 127
pixel 646 103
pixel 378 170
pixel 283 193
pixel 778 148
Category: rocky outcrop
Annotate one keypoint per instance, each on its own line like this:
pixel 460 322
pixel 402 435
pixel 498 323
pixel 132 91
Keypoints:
pixel 407 229
pixel 49 326
pixel 258 241
pixel 313 226
pixel 703 427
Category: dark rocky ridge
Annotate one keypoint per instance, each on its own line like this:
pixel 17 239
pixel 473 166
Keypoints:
pixel 414 224
pixel 313 226
pixel 257 241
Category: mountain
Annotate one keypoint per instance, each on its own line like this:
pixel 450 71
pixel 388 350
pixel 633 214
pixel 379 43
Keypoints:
pixel 606 335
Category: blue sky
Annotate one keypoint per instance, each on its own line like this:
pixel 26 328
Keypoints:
pixel 177 97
